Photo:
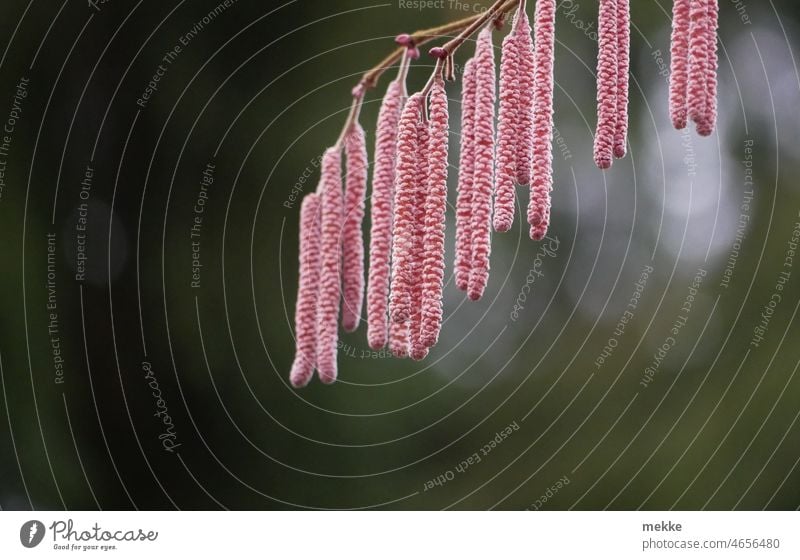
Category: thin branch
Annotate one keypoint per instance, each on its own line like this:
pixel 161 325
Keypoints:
pixel 371 77
pixel 450 46
pixel 464 27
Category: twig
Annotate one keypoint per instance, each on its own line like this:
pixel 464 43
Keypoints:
pixel 371 77
pixel 464 27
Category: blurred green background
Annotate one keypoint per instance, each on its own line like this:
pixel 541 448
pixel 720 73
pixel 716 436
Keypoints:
pixel 174 396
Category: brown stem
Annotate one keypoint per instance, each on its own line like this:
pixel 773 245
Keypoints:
pixel 371 77
pixel 352 116
pixel 465 28
pixel 437 71
pixel 453 44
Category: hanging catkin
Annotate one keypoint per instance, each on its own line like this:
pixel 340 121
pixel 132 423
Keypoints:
pixel 403 228
pixel 526 69
pixel 707 122
pixel 332 205
pixel 484 163
pixel 416 349
pixel 623 70
pixel 352 237
pixel 507 131
pixel 679 63
pixel 466 171
pixel 435 209
pixel 693 76
pixel 542 177
pixel 305 315
pixel 606 84
pixel 381 213
pixel 699 49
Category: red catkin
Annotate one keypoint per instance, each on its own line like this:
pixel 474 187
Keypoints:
pixel 435 209
pixel 699 48
pixel 416 349
pixel 507 130
pixel 484 163
pixel 332 215
pixel 525 88
pixel 623 70
pixel 305 315
pixel 403 228
pixel 542 177
pixel 679 63
pixel 466 170
pixel 352 237
pixel 606 84
pixel 381 213
pixel 707 122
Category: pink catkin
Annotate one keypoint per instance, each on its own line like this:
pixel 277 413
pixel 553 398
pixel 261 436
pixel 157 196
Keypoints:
pixel 525 88
pixel 381 212
pixel 466 170
pixel 697 88
pixel 484 164
pixel 542 179
pixel 416 349
pixel 707 122
pixel 606 84
pixel 332 215
pixel 623 70
pixel 507 130
pixel 679 63
pixel 435 210
pixel 352 237
pixel 305 315
pixel 403 228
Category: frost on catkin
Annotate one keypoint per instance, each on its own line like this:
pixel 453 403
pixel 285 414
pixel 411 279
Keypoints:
pixel 305 315
pixel 435 208
pixel 484 164
pixel 380 243
pixel 542 177
pixel 403 228
pixel 332 211
pixel 466 170
pixel 352 237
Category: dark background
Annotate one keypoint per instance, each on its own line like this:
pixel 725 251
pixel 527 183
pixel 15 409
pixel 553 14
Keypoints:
pixel 260 92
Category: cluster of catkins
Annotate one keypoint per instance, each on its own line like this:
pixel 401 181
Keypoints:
pixel 409 181
pixel 693 61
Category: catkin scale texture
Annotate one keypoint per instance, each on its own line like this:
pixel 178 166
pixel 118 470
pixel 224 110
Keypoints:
pixel 466 171
pixel 332 211
pixel 542 179
pixel 435 214
pixel 679 63
pixel 623 71
pixel 484 164
pixel 606 84
pixel 507 130
pixel 406 179
pixel 305 315
pixel 525 72
pixel 381 214
pixel 352 236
